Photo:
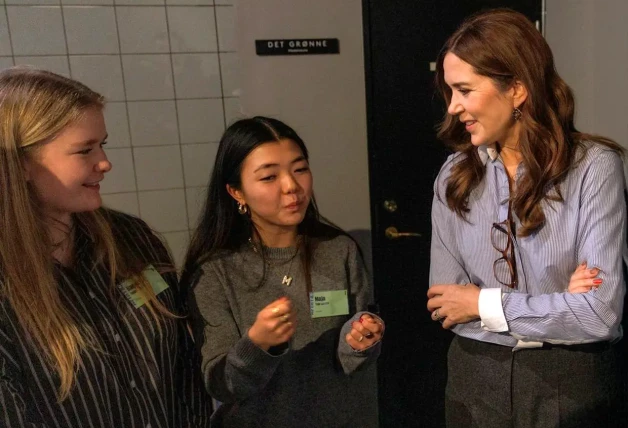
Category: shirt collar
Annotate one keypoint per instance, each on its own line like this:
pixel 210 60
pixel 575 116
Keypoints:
pixel 487 152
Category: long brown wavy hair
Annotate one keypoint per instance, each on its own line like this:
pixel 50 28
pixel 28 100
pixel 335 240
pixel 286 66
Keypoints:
pixel 35 106
pixel 505 46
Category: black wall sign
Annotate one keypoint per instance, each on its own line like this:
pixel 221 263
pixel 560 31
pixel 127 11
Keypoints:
pixel 297 47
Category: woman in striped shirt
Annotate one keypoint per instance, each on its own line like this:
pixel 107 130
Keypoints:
pixel 91 333
pixel 523 202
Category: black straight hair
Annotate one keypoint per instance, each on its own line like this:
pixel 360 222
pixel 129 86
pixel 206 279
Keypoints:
pixel 221 227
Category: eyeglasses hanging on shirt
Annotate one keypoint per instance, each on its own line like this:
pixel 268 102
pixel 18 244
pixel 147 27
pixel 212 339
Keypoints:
pixel 502 238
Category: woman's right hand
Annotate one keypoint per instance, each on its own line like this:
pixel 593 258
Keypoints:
pixel 274 325
pixel 584 279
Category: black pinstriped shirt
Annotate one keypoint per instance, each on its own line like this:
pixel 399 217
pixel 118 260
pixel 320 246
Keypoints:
pixel 141 377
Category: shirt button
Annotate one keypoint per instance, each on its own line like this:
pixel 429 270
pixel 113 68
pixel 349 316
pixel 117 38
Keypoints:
pixel 92 295
pixel 148 426
pixel 133 384
pixel 116 337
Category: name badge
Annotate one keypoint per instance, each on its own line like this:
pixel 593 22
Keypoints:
pixel 134 295
pixel 329 303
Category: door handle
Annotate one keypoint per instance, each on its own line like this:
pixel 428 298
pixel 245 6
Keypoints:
pixel 392 233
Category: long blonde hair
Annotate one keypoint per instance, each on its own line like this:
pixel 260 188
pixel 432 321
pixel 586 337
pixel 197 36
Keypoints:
pixel 35 106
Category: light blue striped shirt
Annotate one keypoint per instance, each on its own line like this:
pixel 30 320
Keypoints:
pixel 590 225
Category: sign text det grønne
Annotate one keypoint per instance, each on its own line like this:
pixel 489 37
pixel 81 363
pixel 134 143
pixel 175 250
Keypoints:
pixel 297 47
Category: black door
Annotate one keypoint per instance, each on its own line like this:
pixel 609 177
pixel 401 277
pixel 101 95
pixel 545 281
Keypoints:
pixel 402 39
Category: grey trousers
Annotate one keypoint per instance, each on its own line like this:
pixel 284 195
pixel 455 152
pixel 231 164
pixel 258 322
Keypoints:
pixel 490 386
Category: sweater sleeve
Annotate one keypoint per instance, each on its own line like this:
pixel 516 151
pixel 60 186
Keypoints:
pixel 233 367
pixel 350 359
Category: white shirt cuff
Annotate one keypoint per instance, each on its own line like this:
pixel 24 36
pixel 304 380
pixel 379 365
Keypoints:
pixel 523 344
pixel 491 310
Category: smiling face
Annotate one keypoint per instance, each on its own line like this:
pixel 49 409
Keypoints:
pixel 485 110
pixel 65 172
pixel 276 185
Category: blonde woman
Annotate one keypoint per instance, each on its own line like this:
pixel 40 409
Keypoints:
pixel 90 327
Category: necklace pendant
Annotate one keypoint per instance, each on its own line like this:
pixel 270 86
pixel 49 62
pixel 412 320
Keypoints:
pixel 287 280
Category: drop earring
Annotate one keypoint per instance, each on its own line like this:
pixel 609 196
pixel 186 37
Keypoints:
pixel 242 208
pixel 516 114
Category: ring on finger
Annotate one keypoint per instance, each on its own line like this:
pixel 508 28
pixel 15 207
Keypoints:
pixel 437 316
pixel 285 317
pixel 368 335
pixel 361 338
pixel 275 310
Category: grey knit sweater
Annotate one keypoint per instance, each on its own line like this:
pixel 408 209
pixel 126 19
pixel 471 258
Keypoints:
pixel 318 380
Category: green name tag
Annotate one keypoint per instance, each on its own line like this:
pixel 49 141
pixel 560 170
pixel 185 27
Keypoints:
pixel 134 295
pixel 329 303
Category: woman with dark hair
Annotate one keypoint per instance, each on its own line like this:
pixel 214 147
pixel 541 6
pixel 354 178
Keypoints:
pixel 524 202
pixel 279 294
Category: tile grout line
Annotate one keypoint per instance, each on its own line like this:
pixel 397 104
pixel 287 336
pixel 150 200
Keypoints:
pixel 6 15
pixel 222 91
pixel 127 54
pixel 126 106
pixel 121 5
pixel 172 99
pixel 164 145
pixel 155 190
pixel 176 112
pixel 65 38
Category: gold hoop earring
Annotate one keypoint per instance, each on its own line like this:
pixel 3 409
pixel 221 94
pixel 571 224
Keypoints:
pixel 516 114
pixel 242 208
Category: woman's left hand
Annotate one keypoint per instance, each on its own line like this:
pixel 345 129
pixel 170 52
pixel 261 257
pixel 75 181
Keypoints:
pixel 584 280
pixel 365 332
pixel 453 304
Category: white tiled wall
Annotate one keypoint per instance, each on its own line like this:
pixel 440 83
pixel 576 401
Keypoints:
pixel 170 74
